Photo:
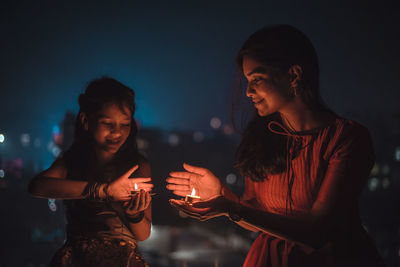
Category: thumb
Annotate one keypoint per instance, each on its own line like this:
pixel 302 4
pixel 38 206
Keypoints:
pixel 194 169
pixel 131 170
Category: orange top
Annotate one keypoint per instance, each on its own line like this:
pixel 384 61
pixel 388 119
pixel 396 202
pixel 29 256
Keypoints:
pixel 332 165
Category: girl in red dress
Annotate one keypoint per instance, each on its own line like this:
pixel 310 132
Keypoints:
pixel 304 166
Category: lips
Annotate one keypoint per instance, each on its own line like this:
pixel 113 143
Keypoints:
pixel 113 142
pixel 257 101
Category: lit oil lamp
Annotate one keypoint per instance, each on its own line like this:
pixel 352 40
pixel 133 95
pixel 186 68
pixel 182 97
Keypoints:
pixel 134 192
pixel 190 199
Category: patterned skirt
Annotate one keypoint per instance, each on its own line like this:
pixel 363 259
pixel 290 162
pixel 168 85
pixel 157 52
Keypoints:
pixel 99 252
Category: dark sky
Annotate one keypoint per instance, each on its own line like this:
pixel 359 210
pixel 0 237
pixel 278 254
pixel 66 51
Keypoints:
pixel 179 56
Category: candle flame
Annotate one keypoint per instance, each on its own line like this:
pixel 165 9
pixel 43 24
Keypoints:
pixel 193 192
pixel 136 188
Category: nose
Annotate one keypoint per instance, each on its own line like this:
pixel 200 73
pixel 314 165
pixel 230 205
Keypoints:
pixel 249 91
pixel 115 131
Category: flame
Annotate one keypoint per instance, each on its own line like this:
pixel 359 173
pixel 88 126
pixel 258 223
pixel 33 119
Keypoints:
pixel 136 188
pixel 193 192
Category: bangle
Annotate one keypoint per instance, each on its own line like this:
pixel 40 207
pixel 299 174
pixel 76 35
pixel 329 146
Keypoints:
pixel 92 191
pixel 97 191
pixel 135 219
pixel 89 191
pixel 107 198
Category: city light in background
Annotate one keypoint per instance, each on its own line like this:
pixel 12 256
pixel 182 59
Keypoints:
pixel 179 59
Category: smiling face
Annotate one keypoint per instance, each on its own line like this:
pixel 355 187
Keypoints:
pixel 267 88
pixel 109 128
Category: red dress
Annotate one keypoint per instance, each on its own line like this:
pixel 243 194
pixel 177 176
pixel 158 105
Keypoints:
pixel 332 165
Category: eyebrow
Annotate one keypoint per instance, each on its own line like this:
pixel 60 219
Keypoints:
pixel 259 69
pixel 106 117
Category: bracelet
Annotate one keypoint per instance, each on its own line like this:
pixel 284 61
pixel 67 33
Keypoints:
pixel 135 219
pixel 89 191
pixel 105 191
pixel 92 191
pixel 97 191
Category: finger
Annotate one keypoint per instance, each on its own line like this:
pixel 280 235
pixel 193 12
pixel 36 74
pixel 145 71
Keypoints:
pixel 186 211
pixel 127 197
pixel 131 170
pixel 188 208
pixel 135 205
pixel 125 204
pixel 181 193
pixel 178 187
pixel 142 200
pixel 195 169
pixel 140 180
pixel 130 203
pixel 177 201
pixel 146 187
pixel 180 174
pixel 147 200
pixel 181 181
pixel 204 204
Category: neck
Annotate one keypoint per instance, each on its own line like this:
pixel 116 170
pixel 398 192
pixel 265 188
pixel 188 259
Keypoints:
pixel 103 157
pixel 299 117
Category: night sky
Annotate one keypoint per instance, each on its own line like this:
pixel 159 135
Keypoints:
pixel 179 56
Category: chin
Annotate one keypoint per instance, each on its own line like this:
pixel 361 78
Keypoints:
pixel 112 150
pixel 263 113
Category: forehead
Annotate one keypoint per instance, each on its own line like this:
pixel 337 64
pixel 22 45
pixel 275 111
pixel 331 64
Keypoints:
pixel 115 110
pixel 251 66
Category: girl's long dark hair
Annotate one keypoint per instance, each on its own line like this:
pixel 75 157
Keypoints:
pixel 99 93
pixel 262 152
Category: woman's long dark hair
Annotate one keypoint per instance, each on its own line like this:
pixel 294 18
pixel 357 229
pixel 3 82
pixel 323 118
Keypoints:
pixel 99 93
pixel 262 152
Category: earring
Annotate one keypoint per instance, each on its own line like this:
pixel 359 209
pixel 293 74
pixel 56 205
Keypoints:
pixel 294 90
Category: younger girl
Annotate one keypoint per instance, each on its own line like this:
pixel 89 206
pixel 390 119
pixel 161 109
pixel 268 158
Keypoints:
pixel 106 213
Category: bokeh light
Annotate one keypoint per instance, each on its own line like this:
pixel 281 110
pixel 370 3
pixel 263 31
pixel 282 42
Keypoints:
pixel 397 154
pixel 198 136
pixel 173 139
pixel 215 123
pixel 25 139
pixel 231 178
pixel 227 129
pixel 373 184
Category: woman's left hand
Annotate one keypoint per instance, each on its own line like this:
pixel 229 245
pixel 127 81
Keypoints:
pixel 203 210
pixel 138 203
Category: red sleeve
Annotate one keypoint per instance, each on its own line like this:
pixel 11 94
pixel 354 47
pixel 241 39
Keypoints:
pixel 249 190
pixel 249 197
pixel 348 168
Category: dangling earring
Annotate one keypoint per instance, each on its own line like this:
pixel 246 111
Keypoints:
pixel 294 90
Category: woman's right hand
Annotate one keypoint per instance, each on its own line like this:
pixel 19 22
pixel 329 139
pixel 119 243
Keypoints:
pixel 120 189
pixel 206 184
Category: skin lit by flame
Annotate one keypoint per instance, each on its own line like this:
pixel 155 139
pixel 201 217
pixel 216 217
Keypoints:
pixel 136 188
pixel 193 192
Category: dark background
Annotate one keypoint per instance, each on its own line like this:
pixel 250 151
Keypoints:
pixel 179 58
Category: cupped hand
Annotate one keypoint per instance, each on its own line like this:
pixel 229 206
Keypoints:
pixel 120 189
pixel 138 202
pixel 206 184
pixel 203 210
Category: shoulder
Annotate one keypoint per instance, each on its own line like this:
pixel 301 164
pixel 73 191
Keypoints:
pixel 350 131
pixel 350 137
pixel 57 170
